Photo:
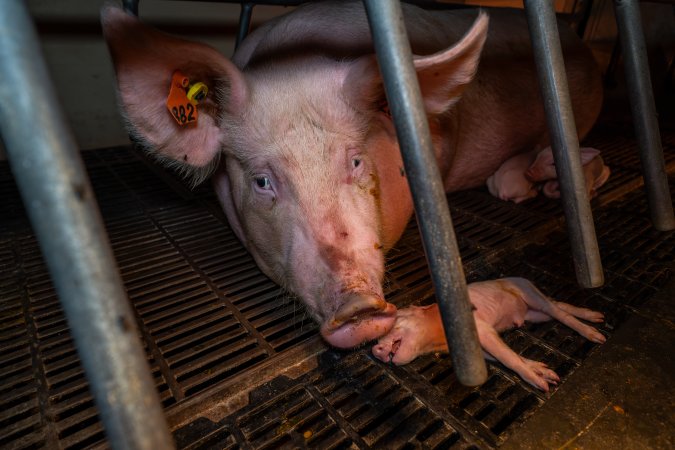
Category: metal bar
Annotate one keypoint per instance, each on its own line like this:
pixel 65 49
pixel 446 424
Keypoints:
pixel 564 141
pixel 610 72
pixel 641 98
pixel 244 22
pixel 130 6
pixel 587 9
pixel 431 207
pixel 61 205
pixel 427 4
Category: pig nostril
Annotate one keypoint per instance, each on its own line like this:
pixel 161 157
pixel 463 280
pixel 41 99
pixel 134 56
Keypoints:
pixel 352 315
pixel 359 308
pixel 360 319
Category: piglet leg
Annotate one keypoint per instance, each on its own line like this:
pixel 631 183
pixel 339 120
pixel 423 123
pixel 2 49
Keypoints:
pixel 563 312
pixel 534 372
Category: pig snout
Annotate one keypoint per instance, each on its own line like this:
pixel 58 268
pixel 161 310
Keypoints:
pixel 360 318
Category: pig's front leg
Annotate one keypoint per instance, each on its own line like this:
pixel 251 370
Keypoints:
pixel 534 372
pixel 509 181
pixel 418 330
pixel 543 170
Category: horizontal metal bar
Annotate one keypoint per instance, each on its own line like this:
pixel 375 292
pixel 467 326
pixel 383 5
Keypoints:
pixel 63 212
pixel 427 4
pixel 645 121
pixel 564 141
pixel 431 206
pixel 255 2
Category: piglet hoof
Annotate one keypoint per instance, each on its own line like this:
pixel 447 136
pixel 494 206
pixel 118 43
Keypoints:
pixel 594 335
pixel 592 316
pixel 591 333
pixel 539 375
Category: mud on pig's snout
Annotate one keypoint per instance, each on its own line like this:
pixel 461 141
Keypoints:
pixel 361 318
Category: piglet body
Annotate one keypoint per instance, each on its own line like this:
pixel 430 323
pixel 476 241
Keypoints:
pixel 499 305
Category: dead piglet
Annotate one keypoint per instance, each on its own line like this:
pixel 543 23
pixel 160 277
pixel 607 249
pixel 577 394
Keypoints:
pixel 499 305
pixel 542 170
pixel 509 181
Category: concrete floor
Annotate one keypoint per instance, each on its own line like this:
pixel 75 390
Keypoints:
pixel 621 398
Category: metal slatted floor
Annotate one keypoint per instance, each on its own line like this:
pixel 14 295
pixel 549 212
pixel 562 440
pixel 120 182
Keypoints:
pixel 236 360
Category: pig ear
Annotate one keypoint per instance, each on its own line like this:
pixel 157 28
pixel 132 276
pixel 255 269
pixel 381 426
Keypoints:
pixel 145 60
pixel 588 154
pixel 362 84
pixel 443 76
pixel 544 158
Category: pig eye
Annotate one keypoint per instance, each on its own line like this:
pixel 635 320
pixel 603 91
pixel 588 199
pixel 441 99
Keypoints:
pixel 263 182
pixel 356 162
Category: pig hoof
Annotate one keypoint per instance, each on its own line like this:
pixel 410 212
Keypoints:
pixel 539 375
pixel 595 316
pixel 589 314
pixel 597 337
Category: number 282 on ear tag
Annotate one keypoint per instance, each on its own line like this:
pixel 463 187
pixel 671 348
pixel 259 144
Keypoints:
pixel 178 104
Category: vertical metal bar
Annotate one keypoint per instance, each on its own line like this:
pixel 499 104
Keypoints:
pixel 244 22
pixel 610 71
pixel 587 9
pixel 644 113
pixel 63 211
pixel 440 245
pixel 130 6
pixel 564 141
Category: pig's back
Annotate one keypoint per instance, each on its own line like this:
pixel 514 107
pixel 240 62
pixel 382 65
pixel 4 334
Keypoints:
pixel 501 111
pixel 340 30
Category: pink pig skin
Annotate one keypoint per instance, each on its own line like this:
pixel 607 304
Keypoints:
pixel 596 173
pixel 509 181
pixel 307 165
pixel 499 305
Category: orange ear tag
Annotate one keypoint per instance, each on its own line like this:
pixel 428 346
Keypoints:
pixel 182 109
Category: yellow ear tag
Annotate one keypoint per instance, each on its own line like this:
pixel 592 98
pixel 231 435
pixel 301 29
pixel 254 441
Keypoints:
pixel 197 92
pixel 182 109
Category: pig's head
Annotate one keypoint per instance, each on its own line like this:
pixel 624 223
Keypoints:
pixel 306 162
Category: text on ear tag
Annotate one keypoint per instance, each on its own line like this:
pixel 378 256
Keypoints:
pixel 178 104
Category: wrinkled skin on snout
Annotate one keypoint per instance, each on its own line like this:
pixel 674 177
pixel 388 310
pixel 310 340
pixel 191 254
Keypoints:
pixel 303 155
